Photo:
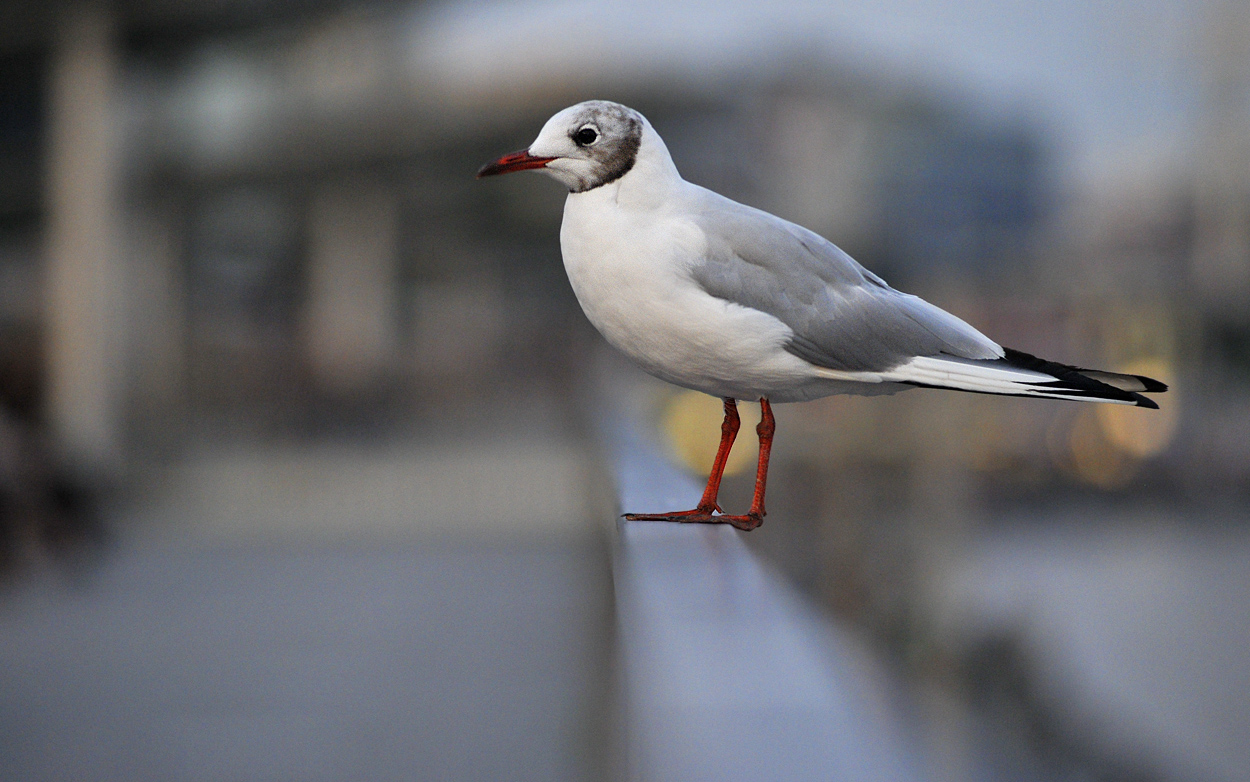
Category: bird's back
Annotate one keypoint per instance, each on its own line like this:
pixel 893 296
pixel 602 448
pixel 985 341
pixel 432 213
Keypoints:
pixel 843 316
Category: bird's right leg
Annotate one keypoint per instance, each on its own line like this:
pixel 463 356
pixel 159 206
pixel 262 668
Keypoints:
pixel 707 505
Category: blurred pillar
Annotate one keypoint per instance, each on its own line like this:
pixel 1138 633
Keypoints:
pixel 822 149
pixel 944 428
pixel 83 294
pixel 1221 258
pixel 156 289
pixel 351 319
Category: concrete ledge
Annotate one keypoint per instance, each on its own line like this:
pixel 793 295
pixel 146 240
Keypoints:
pixel 728 673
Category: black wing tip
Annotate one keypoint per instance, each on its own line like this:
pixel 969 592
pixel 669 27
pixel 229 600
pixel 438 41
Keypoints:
pixel 1072 376
pixel 1149 404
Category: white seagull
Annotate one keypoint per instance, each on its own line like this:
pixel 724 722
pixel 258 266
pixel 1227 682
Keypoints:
pixel 712 295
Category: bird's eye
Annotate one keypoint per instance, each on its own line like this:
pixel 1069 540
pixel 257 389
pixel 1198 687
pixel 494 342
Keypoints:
pixel 586 136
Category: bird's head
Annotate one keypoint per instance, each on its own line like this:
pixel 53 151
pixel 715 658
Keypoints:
pixel 583 146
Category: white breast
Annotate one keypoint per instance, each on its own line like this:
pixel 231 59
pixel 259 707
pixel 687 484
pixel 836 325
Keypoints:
pixel 629 266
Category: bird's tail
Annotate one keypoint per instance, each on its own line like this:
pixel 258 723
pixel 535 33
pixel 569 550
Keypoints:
pixel 1020 374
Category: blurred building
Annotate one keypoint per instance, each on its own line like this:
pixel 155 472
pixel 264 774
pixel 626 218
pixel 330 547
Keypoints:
pixel 257 222
pixel 277 213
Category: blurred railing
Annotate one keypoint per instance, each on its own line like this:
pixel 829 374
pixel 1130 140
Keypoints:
pixel 728 673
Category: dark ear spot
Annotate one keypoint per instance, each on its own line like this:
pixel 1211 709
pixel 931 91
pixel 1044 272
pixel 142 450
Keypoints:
pixel 615 152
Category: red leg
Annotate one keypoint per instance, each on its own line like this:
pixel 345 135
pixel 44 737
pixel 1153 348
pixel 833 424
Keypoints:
pixel 728 433
pixel 707 505
pixel 765 430
pixel 704 513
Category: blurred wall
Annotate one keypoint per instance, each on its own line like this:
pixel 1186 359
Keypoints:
pixel 266 215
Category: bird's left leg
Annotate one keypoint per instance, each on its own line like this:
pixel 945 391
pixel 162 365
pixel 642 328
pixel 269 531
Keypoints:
pixel 703 514
pixel 755 516
pixel 707 504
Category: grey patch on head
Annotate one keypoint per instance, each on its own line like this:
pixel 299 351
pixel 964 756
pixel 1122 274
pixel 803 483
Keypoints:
pixel 620 135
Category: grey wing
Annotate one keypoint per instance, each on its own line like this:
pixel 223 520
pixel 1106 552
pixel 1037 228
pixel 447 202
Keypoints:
pixel 843 316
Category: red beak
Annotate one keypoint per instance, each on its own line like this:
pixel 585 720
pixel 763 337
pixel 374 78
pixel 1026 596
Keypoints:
pixel 513 161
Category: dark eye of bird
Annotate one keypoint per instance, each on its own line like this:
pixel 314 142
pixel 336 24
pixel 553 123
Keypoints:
pixel 586 136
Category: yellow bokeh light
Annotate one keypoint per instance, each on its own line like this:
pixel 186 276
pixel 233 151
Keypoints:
pixel 692 420
pixel 1134 430
pixel 1094 459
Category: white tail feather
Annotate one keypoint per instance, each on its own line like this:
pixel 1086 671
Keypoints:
pixel 984 378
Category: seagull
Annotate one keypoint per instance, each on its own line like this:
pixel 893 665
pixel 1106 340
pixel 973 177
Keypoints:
pixel 716 296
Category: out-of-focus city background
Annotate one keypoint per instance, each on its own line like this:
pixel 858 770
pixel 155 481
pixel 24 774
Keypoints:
pixel 298 472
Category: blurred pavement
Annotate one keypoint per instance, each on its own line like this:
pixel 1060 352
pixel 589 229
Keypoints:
pixel 322 614
pixel 1132 629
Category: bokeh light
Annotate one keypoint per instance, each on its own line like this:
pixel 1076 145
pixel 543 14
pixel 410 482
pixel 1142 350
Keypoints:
pixel 1138 432
pixel 692 423
pixel 272 360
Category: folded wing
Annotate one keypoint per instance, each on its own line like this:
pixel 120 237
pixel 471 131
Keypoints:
pixel 848 321
pixel 843 316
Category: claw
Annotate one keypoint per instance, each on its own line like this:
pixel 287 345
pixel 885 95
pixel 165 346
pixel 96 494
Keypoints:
pixel 709 510
pixel 746 522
